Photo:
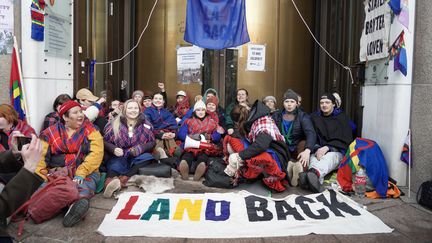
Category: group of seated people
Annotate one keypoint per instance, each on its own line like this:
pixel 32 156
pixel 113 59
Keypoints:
pixel 257 141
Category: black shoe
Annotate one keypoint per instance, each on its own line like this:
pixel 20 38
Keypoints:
pixel 313 181
pixel 303 181
pixel 76 212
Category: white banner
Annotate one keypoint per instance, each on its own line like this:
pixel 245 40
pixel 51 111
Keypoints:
pixel 237 215
pixel 256 58
pixel 6 26
pixel 374 42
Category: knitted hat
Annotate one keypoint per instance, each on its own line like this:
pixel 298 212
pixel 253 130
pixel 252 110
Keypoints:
pixel 328 96
pixel 199 104
pixel 267 98
pixel 338 100
pixel 147 97
pixel 213 99
pixel 290 94
pixel 67 106
pixel 137 92
pixel 182 93
pixel 85 94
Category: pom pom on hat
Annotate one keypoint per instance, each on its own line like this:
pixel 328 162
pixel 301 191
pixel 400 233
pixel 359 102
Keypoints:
pixel 199 104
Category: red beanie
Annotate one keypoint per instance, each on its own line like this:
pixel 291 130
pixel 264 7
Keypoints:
pixel 67 106
pixel 212 99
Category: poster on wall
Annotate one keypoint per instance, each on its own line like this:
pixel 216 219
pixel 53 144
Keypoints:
pixel 6 27
pixel 256 57
pixel 374 42
pixel 189 61
pixel 58 35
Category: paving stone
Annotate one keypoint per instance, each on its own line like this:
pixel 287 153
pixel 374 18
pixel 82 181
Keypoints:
pixel 395 236
pixel 237 240
pixel 143 239
pixel 409 221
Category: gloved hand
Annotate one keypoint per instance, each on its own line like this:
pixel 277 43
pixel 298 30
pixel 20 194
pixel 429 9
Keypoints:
pixel 78 179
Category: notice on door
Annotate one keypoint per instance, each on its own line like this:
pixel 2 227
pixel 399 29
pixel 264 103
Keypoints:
pixel 189 60
pixel 256 58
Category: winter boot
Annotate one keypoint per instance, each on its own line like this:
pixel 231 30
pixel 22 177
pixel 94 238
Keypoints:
pixel 184 169
pixel 200 171
pixel 111 185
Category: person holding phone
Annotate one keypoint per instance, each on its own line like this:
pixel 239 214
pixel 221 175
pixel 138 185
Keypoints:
pixel 9 125
pixel 23 185
pixel 76 146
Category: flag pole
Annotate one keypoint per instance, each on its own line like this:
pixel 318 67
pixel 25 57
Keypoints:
pixel 27 113
pixel 409 162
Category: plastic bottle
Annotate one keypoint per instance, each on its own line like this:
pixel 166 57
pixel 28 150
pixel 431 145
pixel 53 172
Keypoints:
pixel 360 183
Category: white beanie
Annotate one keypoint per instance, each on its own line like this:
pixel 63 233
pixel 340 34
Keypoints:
pixel 199 104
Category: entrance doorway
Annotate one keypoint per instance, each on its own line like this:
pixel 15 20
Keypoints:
pixel 220 73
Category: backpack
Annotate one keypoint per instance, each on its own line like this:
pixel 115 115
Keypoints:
pixel 215 175
pixel 59 192
pixel 424 194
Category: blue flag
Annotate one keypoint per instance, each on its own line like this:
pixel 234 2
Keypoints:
pixel 216 24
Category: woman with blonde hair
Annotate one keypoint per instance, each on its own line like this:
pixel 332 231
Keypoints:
pixel 129 139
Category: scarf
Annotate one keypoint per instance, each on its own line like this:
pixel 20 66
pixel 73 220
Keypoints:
pixel 74 148
pixel 265 124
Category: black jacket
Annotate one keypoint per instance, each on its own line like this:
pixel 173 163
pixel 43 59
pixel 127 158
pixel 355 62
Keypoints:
pixel 17 191
pixel 333 131
pixel 302 129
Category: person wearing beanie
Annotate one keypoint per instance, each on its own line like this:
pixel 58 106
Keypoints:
pixel 138 96
pixel 212 110
pixel 334 135
pixel 210 92
pixel 200 127
pixel 76 146
pixel 270 102
pixel 297 128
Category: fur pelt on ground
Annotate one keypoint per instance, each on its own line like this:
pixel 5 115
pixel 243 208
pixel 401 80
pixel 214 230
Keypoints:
pixel 151 184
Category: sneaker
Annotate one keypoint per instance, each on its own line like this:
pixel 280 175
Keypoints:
pixel 76 212
pixel 200 171
pixel 184 169
pixel 313 181
pixel 111 187
pixel 296 169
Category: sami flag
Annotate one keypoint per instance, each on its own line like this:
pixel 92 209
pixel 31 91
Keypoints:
pixel 216 24
pixel 16 94
pixel 368 154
